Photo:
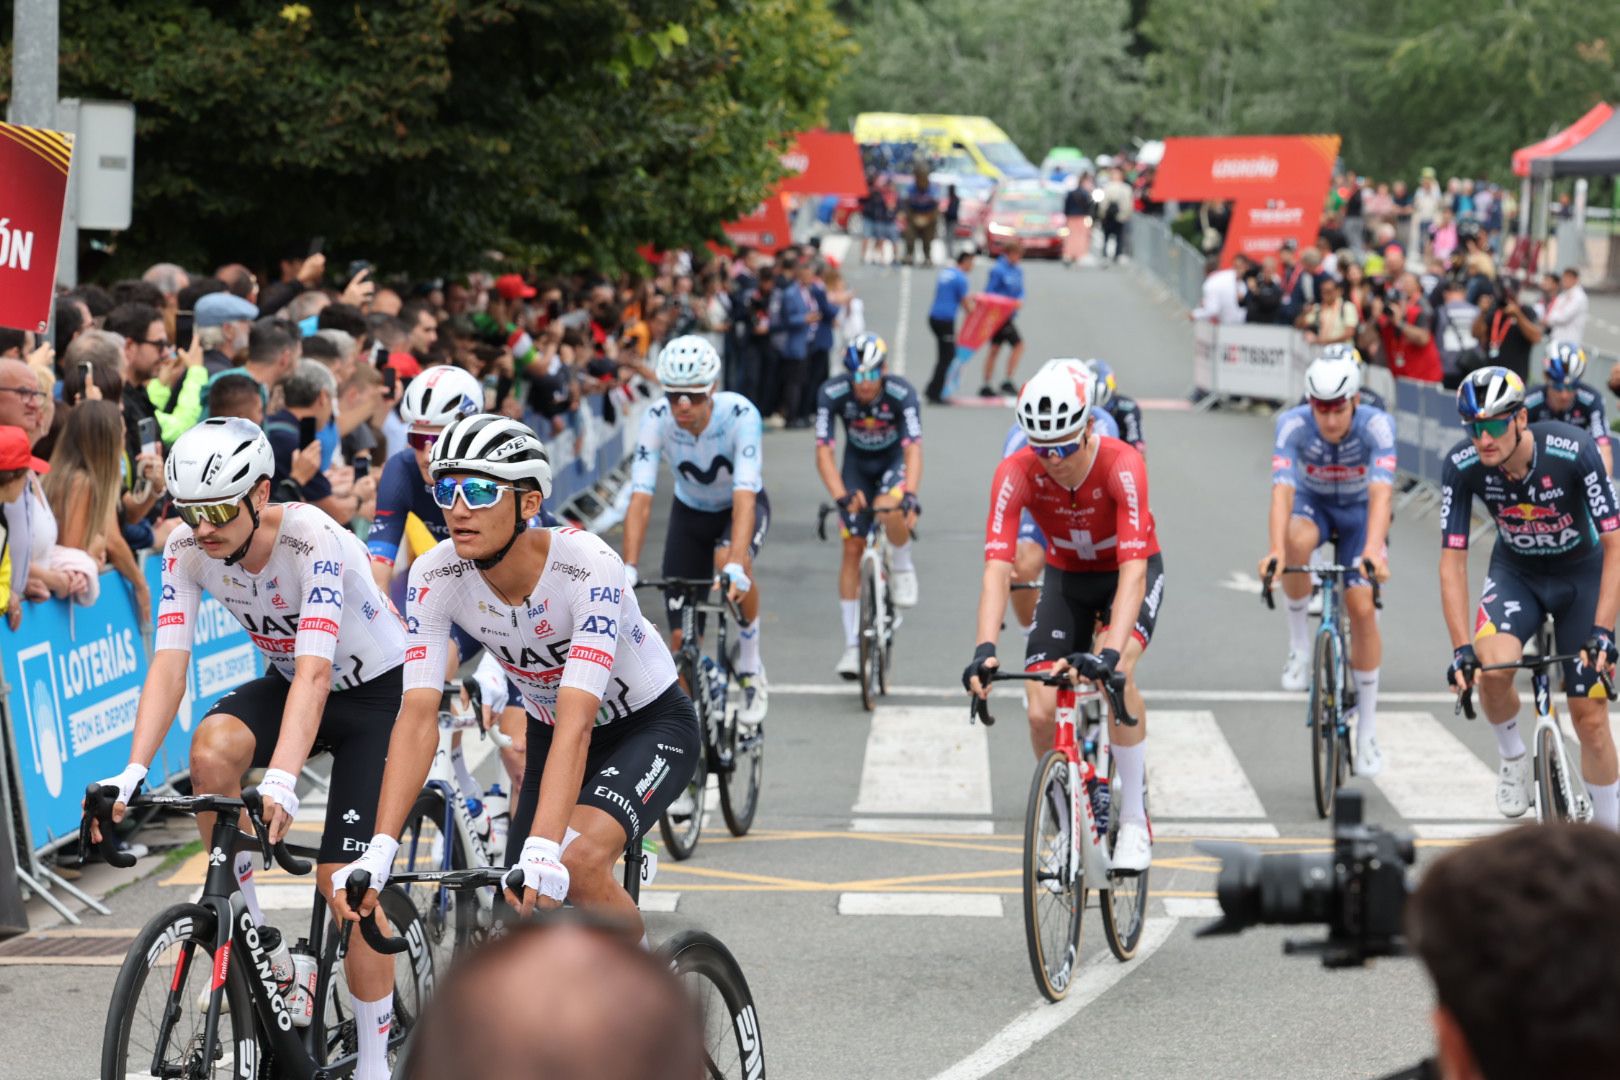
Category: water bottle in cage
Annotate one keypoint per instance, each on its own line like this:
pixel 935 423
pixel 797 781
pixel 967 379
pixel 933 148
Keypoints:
pixel 716 686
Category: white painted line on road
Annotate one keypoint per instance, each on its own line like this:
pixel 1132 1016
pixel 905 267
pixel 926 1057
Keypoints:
pixel 919 762
pixel 659 900
pixel 1219 830
pixel 902 330
pixel 1190 907
pixel 971 905
pixel 1471 830
pixel 966 827
pixel 279 897
pixel 1095 977
pixel 1246 697
pixel 1429 773
pixel 1192 771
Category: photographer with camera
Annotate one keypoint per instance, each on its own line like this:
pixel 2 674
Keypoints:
pixel 1405 323
pixel 1506 329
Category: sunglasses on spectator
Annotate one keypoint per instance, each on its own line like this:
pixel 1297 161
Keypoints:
pixel 687 397
pixel 477 492
pixel 1325 406
pixel 421 440
pixel 215 514
pixel 1497 428
pixel 1058 452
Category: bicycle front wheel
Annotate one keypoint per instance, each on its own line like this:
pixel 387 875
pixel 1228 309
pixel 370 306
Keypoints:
pixel 732 1045
pixel 159 1010
pixel 740 783
pixel 430 841
pixel 1552 784
pixel 682 824
pixel 871 648
pixel 1124 901
pixel 1054 899
pixel 1325 721
pixel 413 982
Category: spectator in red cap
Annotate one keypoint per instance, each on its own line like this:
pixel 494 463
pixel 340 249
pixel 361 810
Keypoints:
pixel 512 287
pixel 17 460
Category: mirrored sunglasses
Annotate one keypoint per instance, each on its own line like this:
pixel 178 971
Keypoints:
pixel 1058 452
pixel 215 514
pixel 687 397
pixel 1324 406
pixel 1497 428
pixel 871 375
pixel 422 440
pixel 477 492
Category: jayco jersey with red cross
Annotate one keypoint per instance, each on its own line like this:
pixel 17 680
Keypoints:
pixel 315 597
pixel 580 627
pixel 1091 529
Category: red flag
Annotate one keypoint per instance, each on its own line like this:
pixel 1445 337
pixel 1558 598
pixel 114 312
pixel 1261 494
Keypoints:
pixel 34 167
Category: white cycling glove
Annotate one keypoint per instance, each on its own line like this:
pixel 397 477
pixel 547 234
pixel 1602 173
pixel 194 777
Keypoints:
pixel 542 867
pixel 631 576
pixel 377 860
pixel 279 787
pixel 126 782
pixel 738 576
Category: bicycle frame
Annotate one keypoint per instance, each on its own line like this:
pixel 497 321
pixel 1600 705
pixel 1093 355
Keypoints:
pixel 690 653
pixel 1088 852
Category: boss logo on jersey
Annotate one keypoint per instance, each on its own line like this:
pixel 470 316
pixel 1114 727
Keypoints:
pixel 1560 447
pixel 602 592
pixel 1549 494
pixel 303 547
pixel 600 624
pixel 577 573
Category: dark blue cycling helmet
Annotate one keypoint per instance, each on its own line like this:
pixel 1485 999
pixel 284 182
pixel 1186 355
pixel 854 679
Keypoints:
pixel 1564 363
pixel 866 352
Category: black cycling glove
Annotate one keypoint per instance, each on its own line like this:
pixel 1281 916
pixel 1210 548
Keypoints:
pixel 1601 642
pixel 986 651
pixel 1098 665
pixel 1463 661
pixel 910 503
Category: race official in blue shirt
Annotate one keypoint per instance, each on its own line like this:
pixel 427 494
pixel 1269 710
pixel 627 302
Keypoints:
pixel 1006 279
pixel 950 296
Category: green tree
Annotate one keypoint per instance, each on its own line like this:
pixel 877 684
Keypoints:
pixel 426 133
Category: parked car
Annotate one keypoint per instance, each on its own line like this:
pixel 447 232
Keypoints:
pixel 1032 213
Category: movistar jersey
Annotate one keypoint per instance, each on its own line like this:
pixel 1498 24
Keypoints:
pixel 708 467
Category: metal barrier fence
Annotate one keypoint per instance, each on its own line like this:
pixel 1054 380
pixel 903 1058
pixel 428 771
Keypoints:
pixel 1178 265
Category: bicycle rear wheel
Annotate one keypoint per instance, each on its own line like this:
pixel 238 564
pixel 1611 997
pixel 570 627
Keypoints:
pixel 681 831
pixel 1552 785
pixel 732 1046
pixel 414 973
pixel 154 1014
pixel 739 785
pixel 1054 900
pixel 871 649
pixel 1325 721
pixel 1124 901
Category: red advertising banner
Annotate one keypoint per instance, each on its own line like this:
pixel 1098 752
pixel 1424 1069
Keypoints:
pixel 990 312
pixel 823 162
pixel 1277 184
pixel 34 166
pixel 766 229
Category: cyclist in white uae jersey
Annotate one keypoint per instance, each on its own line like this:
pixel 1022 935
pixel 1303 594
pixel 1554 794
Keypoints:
pixel 612 739
pixel 301 585
pixel 721 513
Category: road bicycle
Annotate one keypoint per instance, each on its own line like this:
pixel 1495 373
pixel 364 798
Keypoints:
pixel 158 1024
pixel 733 1046
pixel 1069 834
pixel 1333 693
pixel 879 619
pixel 733 751
pixel 1560 794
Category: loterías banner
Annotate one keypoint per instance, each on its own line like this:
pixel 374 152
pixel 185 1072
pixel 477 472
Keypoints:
pixel 1277 185
pixel 34 166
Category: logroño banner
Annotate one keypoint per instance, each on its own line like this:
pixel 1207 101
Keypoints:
pixel 34 166
pixel 1277 185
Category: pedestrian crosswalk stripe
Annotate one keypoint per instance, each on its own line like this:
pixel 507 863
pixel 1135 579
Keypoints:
pixel 659 900
pixel 1429 774
pixel 1466 830
pixel 924 760
pixel 1192 771
pixel 948 826
pixel 975 905
pixel 1217 830
pixel 1187 907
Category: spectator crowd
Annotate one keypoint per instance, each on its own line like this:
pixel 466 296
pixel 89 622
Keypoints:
pixel 321 362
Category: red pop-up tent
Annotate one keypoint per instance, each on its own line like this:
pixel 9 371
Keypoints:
pixel 1585 147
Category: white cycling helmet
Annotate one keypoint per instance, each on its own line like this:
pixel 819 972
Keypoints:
pixel 866 352
pixel 218 461
pixel 688 363
pixel 494 446
pixel 1332 378
pixel 441 395
pixel 1489 392
pixel 1055 404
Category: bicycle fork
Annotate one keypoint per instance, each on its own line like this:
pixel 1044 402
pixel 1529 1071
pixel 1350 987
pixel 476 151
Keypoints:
pixel 1087 852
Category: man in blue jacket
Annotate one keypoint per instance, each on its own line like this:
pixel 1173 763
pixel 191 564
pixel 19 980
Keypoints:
pixel 950 295
pixel 791 314
pixel 1006 279
pixel 821 343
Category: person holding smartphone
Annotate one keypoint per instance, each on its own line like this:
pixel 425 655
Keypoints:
pixel 303 473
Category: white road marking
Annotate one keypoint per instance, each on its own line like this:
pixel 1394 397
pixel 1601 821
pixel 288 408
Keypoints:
pixel 1217 830
pixel 1464 830
pixel 919 762
pixel 972 905
pixel 279 897
pixel 1095 977
pixel 902 330
pixel 1191 907
pixel 964 827
pixel 659 900
pixel 1244 697
pixel 1192 771
pixel 1429 774
pixel 1238 581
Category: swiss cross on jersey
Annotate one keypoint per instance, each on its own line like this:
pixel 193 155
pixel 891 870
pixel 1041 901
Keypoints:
pixel 1091 528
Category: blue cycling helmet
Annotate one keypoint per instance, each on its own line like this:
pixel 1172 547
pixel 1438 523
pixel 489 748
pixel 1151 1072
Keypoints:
pixel 1564 364
pixel 866 352
pixel 1488 393
pixel 1105 382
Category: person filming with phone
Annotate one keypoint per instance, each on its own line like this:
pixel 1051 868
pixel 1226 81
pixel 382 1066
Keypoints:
pixel 304 470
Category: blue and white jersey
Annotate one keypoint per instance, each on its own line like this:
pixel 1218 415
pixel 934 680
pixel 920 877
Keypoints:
pixel 1336 474
pixel 726 457
pixel 1016 440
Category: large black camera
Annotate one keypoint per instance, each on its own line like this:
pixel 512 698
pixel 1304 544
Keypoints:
pixel 1358 890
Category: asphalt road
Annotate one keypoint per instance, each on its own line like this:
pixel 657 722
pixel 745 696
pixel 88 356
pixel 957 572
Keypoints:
pixel 875 906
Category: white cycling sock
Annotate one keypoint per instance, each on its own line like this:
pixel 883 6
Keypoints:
pixel 901 556
pixel 1508 742
pixel 1366 703
pixel 748 647
pixel 1299 623
pixel 1605 804
pixel 464 777
pixel 1130 768
pixel 851 610
pixel 372 1021
pixel 244 880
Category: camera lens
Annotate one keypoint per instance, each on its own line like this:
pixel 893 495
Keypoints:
pixel 1277 889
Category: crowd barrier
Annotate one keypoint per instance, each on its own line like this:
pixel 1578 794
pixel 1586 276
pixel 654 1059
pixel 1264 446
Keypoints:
pixel 71 675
